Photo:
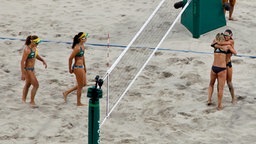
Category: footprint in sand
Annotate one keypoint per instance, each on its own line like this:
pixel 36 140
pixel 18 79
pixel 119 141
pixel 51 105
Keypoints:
pixel 191 78
pixel 24 33
pixel 129 68
pixel 166 113
pixel 198 63
pixel 158 53
pixel 179 61
pixel 53 81
pixel 185 114
pixel 166 75
pixel 180 86
pixel 173 60
pixel 238 61
pixel 7 71
pixel 151 68
pixel 186 60
pixel 208 111
pixel 241 98
pixel 7 42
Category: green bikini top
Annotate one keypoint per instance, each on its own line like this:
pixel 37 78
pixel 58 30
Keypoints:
pixel 80 53
pixel 32 54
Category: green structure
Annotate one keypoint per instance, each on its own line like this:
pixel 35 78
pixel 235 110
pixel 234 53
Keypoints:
pixel 94 94
pixel 202 16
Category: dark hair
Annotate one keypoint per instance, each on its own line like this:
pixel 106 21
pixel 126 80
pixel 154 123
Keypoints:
pixel 229 31
pixel 29 38
pixel 76 39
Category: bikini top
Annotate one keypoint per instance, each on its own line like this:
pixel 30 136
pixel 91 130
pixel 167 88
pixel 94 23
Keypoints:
pixel 80 53
pixel 218 50
pixel 32 54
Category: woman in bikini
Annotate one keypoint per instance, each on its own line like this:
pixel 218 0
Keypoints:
pixel 30 54
pixel 78 67
pixel 229 41
pixel 218 69
pixel 232 7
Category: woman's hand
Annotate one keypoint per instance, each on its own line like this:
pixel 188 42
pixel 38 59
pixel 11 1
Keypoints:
pixel 23 76
pixel 70 71
pixel 45 64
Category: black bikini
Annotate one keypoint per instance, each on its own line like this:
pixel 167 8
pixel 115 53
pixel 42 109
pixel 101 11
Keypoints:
pixel 229 64
pixel 215 68
pixel 218 50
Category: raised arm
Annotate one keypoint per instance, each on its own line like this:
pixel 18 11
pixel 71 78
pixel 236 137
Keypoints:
pixel 223 47
pixel 233 51
pixel 214 42
pixel 229 42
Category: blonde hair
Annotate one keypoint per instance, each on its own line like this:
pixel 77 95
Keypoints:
pixel 219 37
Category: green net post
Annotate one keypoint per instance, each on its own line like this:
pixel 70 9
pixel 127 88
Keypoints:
pixel 94 93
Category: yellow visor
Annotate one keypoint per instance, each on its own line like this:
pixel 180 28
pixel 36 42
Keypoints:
pixel 37 41
pixel 84 35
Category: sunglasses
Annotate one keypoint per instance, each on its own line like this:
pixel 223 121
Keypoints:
pixel 83 38
pixel 227 35
pixel 37 42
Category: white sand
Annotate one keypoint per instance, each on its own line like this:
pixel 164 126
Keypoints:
pixel 166 105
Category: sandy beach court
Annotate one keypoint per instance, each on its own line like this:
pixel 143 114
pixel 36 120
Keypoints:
pixel 165 105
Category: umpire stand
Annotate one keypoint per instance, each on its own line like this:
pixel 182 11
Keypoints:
pixel 94 93
pixel 202 16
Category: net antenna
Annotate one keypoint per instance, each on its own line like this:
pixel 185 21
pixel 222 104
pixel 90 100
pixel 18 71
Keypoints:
pixel 130 63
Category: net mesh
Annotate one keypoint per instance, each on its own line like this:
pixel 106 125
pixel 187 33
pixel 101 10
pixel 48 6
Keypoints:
pixel 140 50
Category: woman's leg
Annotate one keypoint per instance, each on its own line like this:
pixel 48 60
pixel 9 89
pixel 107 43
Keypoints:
pixel 26 88
pixel 232 7
pixel 210 88
pixel 81 82
pixel 65 94
pixel 230 85
pixel 35 85
pixel 221 82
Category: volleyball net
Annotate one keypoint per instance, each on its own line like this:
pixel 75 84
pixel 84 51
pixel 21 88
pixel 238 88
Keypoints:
pixel 128 66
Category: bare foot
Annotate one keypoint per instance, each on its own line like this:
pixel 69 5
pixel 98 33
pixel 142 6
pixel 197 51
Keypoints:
pixel 65 96
pixel 24 101
pixel 219 108
pixel 233 101
pixel 232 19
pixel 33 105
pixel 81 104
pixel 209 103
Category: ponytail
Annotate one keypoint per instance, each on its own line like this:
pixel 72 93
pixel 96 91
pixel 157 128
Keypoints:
pixel 75 41
pixel 29 38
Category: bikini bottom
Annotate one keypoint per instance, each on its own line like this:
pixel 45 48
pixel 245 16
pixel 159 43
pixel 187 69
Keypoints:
pixel 217 69
pixel 29 69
